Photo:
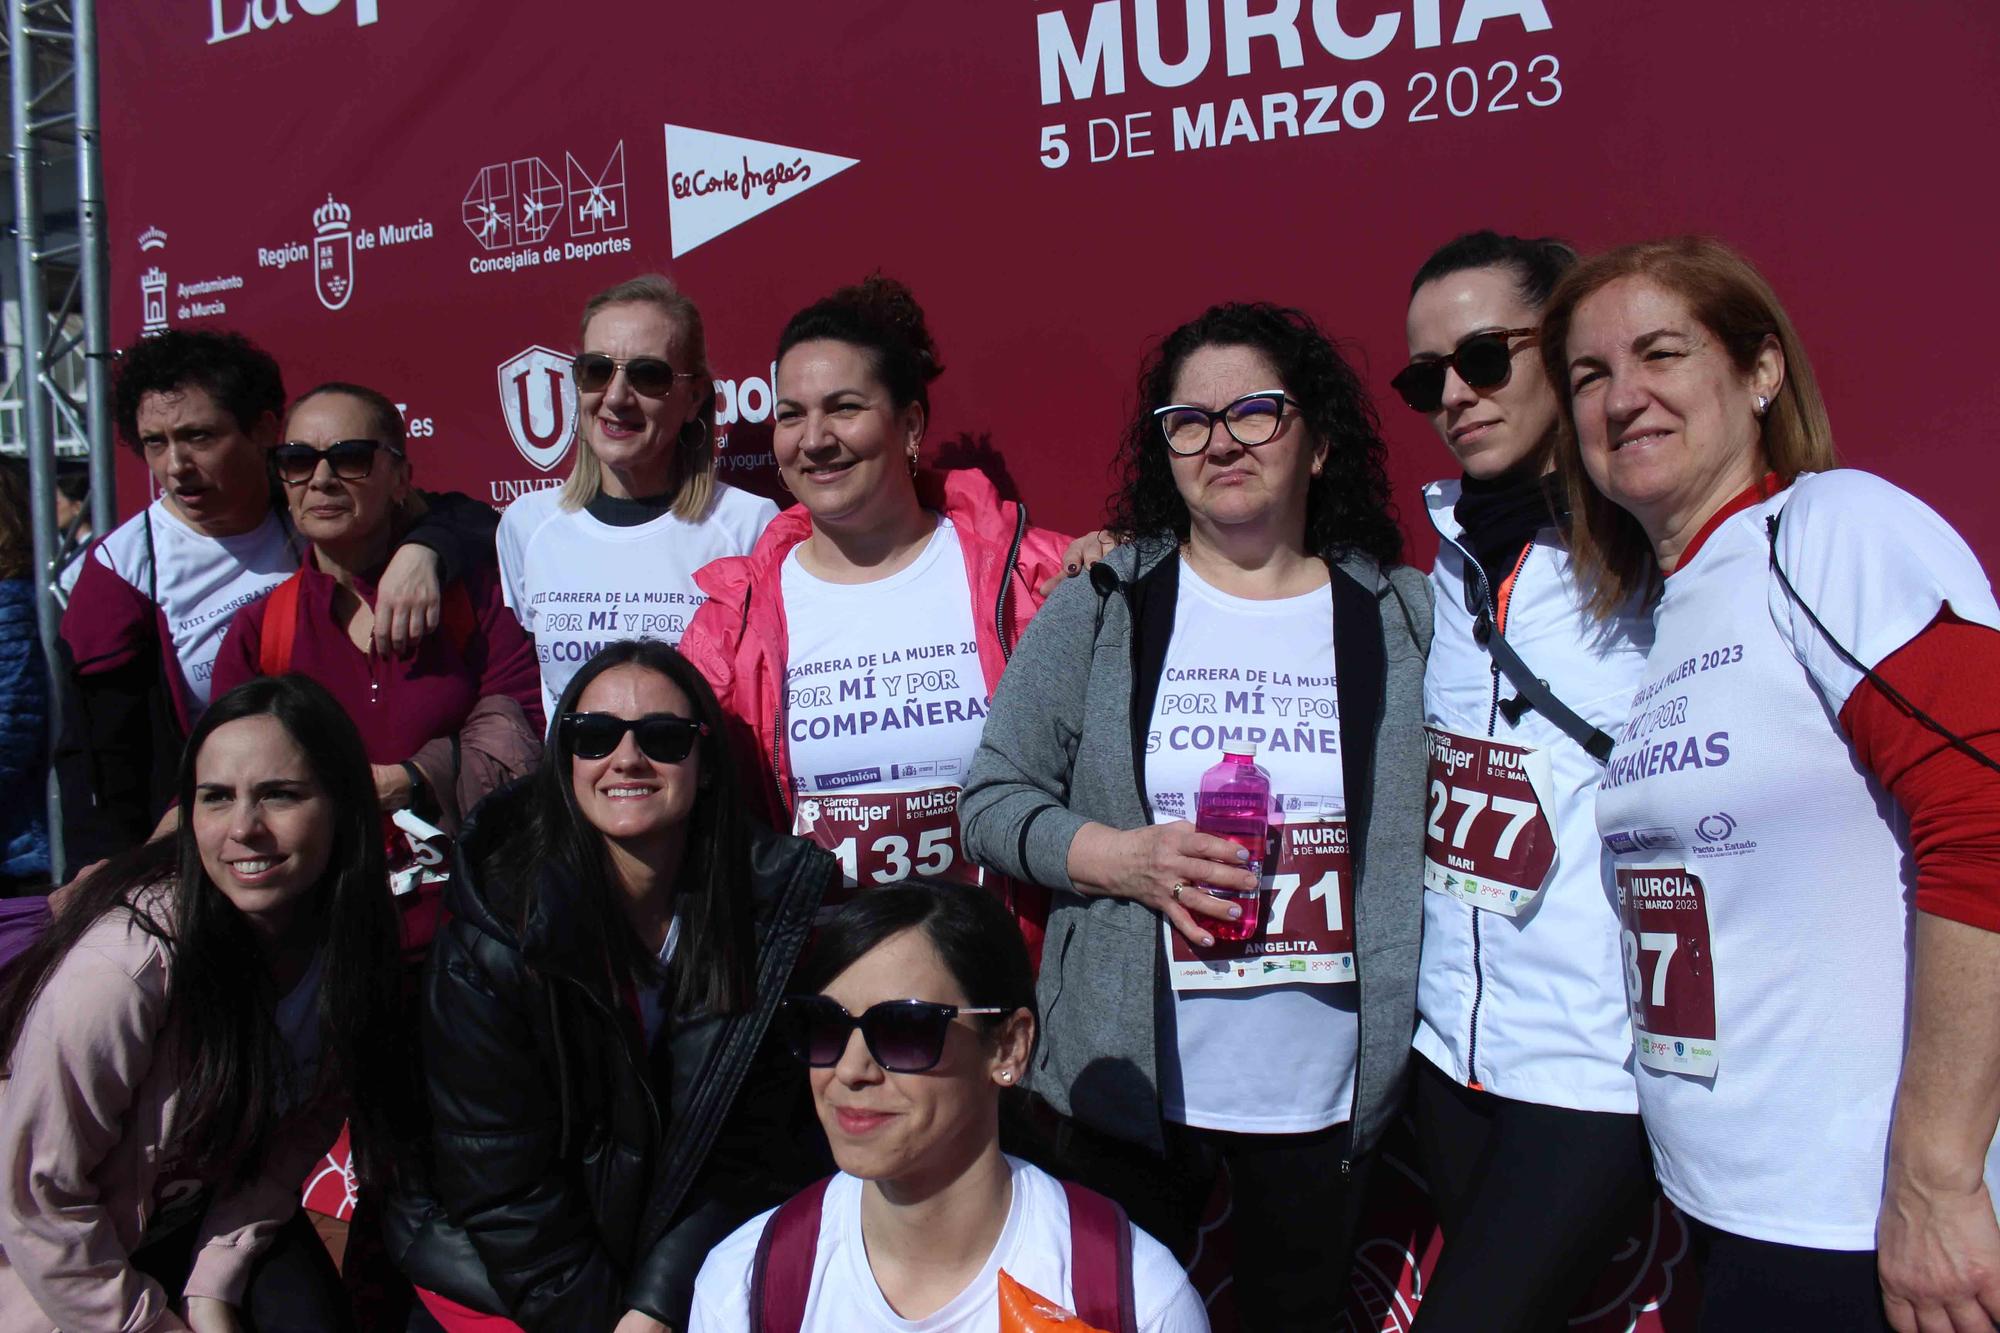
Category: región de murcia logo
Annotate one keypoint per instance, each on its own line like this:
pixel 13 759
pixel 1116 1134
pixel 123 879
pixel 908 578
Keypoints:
pixel 333 254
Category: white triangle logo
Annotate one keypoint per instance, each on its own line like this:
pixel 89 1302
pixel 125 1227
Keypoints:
pixel 719 181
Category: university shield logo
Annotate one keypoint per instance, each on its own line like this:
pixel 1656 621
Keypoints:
pixel 538 402
pixel 333 254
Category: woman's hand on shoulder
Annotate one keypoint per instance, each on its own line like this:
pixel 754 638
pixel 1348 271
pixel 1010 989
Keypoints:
pixel 1084 552
pixel 205 1314
pixel 409 601
pixel 1147 865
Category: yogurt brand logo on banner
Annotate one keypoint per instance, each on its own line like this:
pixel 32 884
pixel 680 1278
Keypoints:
pixel 263 15
pixel 333 253
pixel 717 182
pixel 538 402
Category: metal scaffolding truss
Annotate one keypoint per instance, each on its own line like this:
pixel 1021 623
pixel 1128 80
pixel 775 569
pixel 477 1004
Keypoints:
pixel 61 284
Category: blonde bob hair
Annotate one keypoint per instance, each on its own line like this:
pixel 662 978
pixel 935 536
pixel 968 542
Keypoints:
pixel 1731 299
pixel 694 463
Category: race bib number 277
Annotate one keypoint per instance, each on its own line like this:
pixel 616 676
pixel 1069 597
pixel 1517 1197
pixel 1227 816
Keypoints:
pixel 1487 839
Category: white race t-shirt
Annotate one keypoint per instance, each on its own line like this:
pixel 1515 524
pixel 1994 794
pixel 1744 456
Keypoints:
pixel 1763 874
pixel 885 701
pixel 1033 1248
pixel 576 583
pixel 1274 1059
pixel 201 581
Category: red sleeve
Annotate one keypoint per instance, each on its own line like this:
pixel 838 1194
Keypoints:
pixel 510 667
pixel 1952 801
pixel 108 622
pixel 240 657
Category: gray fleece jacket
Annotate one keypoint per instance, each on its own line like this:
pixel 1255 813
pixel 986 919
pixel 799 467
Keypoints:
pixel 1062 748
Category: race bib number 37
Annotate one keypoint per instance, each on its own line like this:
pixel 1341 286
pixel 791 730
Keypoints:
pixel 1669 969
pixel 880 837
pixel 1307 931
pixel 1487 840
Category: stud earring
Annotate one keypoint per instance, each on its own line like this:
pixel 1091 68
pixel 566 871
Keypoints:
pixel 1763 404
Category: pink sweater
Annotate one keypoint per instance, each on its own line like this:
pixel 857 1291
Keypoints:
pixel 87 1117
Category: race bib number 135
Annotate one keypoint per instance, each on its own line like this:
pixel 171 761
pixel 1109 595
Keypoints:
pixel 880 837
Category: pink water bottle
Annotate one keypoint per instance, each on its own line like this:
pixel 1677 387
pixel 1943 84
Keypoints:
pixel 1235 803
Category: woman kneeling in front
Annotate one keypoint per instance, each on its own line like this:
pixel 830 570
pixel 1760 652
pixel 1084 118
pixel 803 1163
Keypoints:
pixel 927 1213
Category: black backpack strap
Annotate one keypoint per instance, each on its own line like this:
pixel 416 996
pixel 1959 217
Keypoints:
pixel 1534 692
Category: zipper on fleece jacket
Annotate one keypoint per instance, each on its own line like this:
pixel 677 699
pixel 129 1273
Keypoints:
pixel 1007 583
pixel 1491 615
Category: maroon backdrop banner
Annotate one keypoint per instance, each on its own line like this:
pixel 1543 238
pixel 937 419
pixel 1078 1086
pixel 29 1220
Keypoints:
pixel 420 197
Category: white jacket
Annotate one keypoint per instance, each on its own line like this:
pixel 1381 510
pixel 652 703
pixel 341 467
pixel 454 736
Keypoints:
pixel 1531 1007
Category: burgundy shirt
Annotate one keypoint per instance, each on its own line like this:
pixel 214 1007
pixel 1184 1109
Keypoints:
pixel 398 703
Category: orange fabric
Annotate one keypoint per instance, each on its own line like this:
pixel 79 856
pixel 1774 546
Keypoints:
pixel 1953 803
pixel 1023 1311
pixel 1505 597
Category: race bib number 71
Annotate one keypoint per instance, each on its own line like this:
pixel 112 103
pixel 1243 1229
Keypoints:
pixel 1306 931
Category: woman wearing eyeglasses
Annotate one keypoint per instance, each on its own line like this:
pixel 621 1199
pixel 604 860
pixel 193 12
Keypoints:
pixel 1259 603
pixel 856 647
pixel 1526 1109
pixel 915 1013
pixel 613 553
pixel 606 1103
pixel 443 724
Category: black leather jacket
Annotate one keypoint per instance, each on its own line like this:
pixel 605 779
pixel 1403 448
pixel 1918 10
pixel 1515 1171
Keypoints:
pixel 576 1175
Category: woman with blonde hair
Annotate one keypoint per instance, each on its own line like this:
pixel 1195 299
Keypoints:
pixel 613 553
pixel 1803 804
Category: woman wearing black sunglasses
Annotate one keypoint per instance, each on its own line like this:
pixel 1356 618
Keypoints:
pixel 607 1105
pixel 1526 1108
pixel 445 723
pixel 1260 602
pixel 915 1015
pixel 613 553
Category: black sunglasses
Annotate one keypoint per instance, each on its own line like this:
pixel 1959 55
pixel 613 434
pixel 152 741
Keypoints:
pixel 903 1036
pixel 665 738
pixel 351 460
pixel 1251 420
pixel 648 375
pixel 1483 361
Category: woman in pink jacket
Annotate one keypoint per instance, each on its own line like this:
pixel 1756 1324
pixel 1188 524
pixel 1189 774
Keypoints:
pixel 856 646
pixel 183 1042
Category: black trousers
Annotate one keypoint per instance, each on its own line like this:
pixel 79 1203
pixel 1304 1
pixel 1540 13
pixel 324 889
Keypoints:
pixel 1292 1214
pixel 1533 1201
pixel 294 1287
pixel 1761 1286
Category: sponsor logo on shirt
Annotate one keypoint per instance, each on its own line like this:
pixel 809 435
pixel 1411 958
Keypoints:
pixel 853 777
pixel 1714 833
pixel 1626 842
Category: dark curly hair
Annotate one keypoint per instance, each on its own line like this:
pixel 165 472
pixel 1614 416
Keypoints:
pixel 882 317
pixel 1347 504
pixel 241 376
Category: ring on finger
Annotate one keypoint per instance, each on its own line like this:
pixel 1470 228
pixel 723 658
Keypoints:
pixel 1180 887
